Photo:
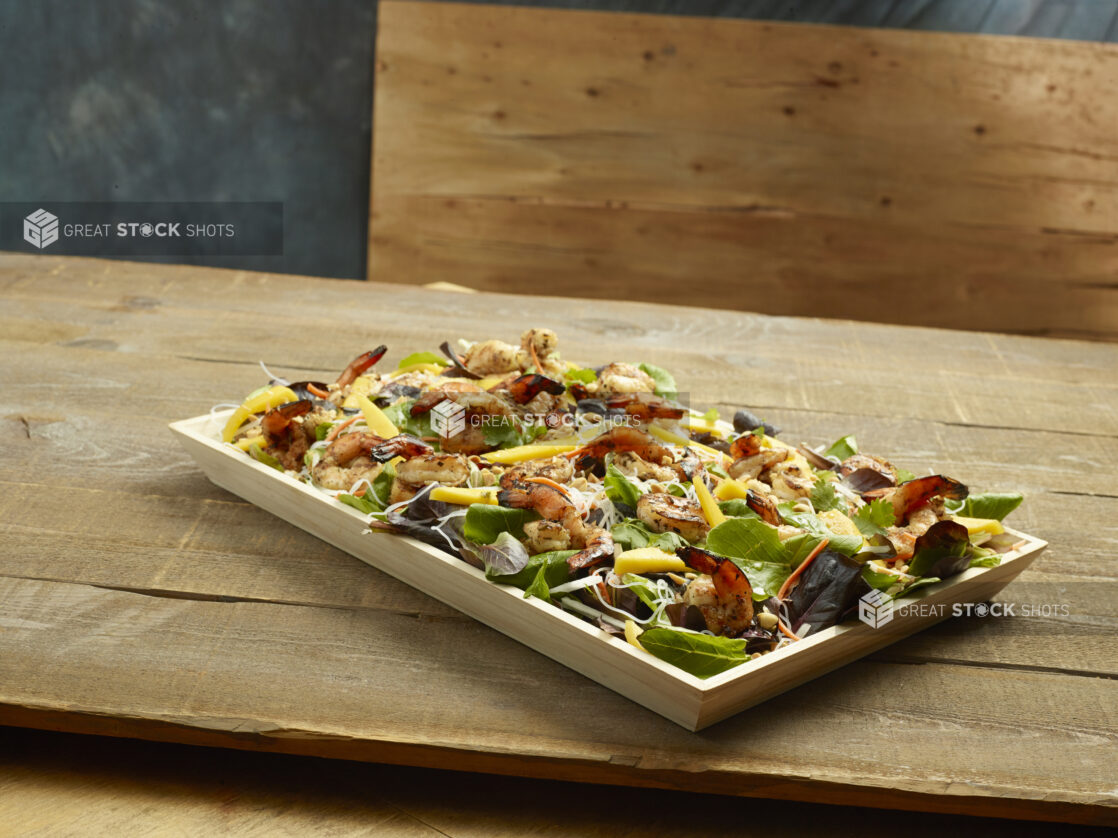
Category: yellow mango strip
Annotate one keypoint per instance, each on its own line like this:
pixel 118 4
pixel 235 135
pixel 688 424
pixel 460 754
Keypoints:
pixel 677 439
pixel 647 560
pixel 773 442
pixel 258 403
pixel 711 511
pixel 422 366
pixel 980 525
pixel 465 497
pixel 528 452
pixel 248 442
pixel 701 423
pixel 729 489
pixel 632 633
pixel 378 423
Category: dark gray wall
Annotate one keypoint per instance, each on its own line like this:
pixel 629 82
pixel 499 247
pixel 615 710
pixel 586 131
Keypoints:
pixel 140 100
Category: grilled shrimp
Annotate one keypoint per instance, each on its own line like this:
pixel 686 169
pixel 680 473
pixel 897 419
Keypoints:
pixel 666 513
pixel 791 478
pixel 754 465
pixel 645 406
pixel 910 496
pixel 557 469
pixel 903 538
pixel 619 379
pixel 623 438
pixel 633 465
pixel 764 506
pixel 401 445
pixel 471 439
pixel 746 445
pixel 284 432
pixel 417 472
pixel 723 595
pixel 544 536
pixel 865 461
pixel 525 388
pixel 491 357
pixel 346 460
pixel 553 504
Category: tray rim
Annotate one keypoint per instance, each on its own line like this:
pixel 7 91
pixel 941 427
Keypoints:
pixel 202 429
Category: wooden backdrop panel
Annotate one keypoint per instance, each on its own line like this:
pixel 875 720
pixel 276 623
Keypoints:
pixel 931 179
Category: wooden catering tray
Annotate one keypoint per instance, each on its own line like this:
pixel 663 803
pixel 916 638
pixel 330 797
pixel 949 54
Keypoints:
pixel 687 700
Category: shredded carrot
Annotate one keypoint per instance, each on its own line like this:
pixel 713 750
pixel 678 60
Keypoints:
pixel 360 492
pixel 803 566
pixel 547 481
pixel 337 429
pixel 787 632
pixel 535 358
pixel 322 394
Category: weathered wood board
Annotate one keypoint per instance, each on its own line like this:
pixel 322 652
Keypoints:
pixel 136 599
pixel 907 177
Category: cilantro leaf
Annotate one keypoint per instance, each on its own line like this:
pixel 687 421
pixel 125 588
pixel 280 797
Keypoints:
pixel 824 497
pixel 874 517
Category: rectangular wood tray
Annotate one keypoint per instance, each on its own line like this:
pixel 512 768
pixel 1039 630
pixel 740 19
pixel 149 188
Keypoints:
pixel 691 702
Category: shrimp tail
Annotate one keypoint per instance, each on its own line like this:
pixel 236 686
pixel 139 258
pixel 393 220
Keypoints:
pixel 730 580
pixel 402 445
pixel 526 387
pixel 359 364
pixel 765 507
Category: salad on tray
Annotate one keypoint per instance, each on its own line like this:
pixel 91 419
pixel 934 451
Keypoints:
pixel 704 542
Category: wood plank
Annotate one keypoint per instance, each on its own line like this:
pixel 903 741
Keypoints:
pixel 1066 385
pixel 916 178
pixel 60 784
pixel 370 676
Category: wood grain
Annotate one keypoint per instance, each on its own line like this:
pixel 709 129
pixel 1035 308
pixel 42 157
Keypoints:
pixel 138 600
pixel 927 179
pixel 59 785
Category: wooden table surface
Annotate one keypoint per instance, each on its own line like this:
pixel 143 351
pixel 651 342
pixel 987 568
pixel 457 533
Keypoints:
pixel 138 600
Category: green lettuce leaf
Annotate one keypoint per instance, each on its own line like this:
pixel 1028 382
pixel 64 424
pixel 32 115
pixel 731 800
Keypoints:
pixel 361 504
pixel 632 534
pixel 737 508
pixel 756 548
pixel 261 456
pixel 484 522
pixel 540 588
pixel 553 566
pixel 988 505
pixel 619 489
pixel 699 654
pixel 582 376
pixel 848 545
pixel 665 383
pixel 842 448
